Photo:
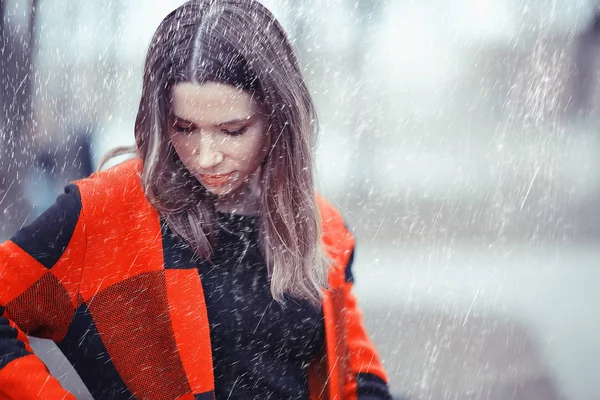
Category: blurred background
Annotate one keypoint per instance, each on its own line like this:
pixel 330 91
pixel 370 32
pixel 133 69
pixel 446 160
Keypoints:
pixel 459 138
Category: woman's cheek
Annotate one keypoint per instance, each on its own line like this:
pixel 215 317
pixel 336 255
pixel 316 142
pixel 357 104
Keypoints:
pixel 184 148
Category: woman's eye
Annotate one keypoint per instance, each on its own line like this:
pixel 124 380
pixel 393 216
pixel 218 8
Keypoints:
pixel 183 128
pixel 236 132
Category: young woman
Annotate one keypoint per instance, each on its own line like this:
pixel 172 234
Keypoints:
pixel 206 267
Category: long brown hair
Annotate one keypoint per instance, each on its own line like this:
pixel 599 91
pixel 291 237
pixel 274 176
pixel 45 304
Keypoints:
pixel 238 42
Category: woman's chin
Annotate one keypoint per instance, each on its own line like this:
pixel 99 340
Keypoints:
pixel 229 190
pixel 220 191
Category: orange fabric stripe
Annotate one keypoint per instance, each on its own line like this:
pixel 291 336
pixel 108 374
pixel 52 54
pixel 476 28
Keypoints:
pixel 367 359
pixel 333 376
pixel 132 318
pixel 187 308
pixel 18 270
pixel 109 211
pixel 189 396
pixel 68 268
pixel 351 347
pixel 20 335
pixel 347 381
pixel 39 383
pixel 338 244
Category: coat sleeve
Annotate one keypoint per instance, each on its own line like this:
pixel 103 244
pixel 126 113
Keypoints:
pixel 40 273
pixel 368 380
pixel 363 375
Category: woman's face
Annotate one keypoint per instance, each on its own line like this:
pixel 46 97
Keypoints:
pixel 220 135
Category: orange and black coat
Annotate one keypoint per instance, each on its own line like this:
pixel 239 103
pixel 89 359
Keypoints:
pixel 97 282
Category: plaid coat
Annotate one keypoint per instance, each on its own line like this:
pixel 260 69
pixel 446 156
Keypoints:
pixel 132 320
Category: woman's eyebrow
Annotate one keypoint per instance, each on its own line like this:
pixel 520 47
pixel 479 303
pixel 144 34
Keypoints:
pixel 236 121
pixel 181 120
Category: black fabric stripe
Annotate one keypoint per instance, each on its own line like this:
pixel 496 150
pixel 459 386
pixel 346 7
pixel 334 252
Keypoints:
pixel 47 237
pixel 10 347
pixel 83 347
pixel 349 277
pixel 205 396
pixel 176 253
pixel 370 386
pixel 348 272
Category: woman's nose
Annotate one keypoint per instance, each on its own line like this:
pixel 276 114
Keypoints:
pixel 208 152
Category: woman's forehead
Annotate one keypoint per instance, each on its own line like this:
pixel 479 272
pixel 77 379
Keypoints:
pixel 211 103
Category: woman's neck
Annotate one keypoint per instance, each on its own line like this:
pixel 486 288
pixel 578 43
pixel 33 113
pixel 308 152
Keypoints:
pixel 244 207
pixel 245 201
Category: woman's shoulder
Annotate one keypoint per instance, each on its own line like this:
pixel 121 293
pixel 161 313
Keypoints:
pixel 118 187
pixel 114 179
pixel 117 174
pixel 331 218
pixel 335 231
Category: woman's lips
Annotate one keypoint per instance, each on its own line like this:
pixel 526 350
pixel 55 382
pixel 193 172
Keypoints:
pixel 216 180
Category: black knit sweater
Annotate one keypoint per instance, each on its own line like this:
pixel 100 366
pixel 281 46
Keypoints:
pixel 261 349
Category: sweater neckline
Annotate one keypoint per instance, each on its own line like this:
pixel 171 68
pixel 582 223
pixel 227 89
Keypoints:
pixel 235 216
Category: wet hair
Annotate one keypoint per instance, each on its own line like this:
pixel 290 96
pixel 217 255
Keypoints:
pixel 240 43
